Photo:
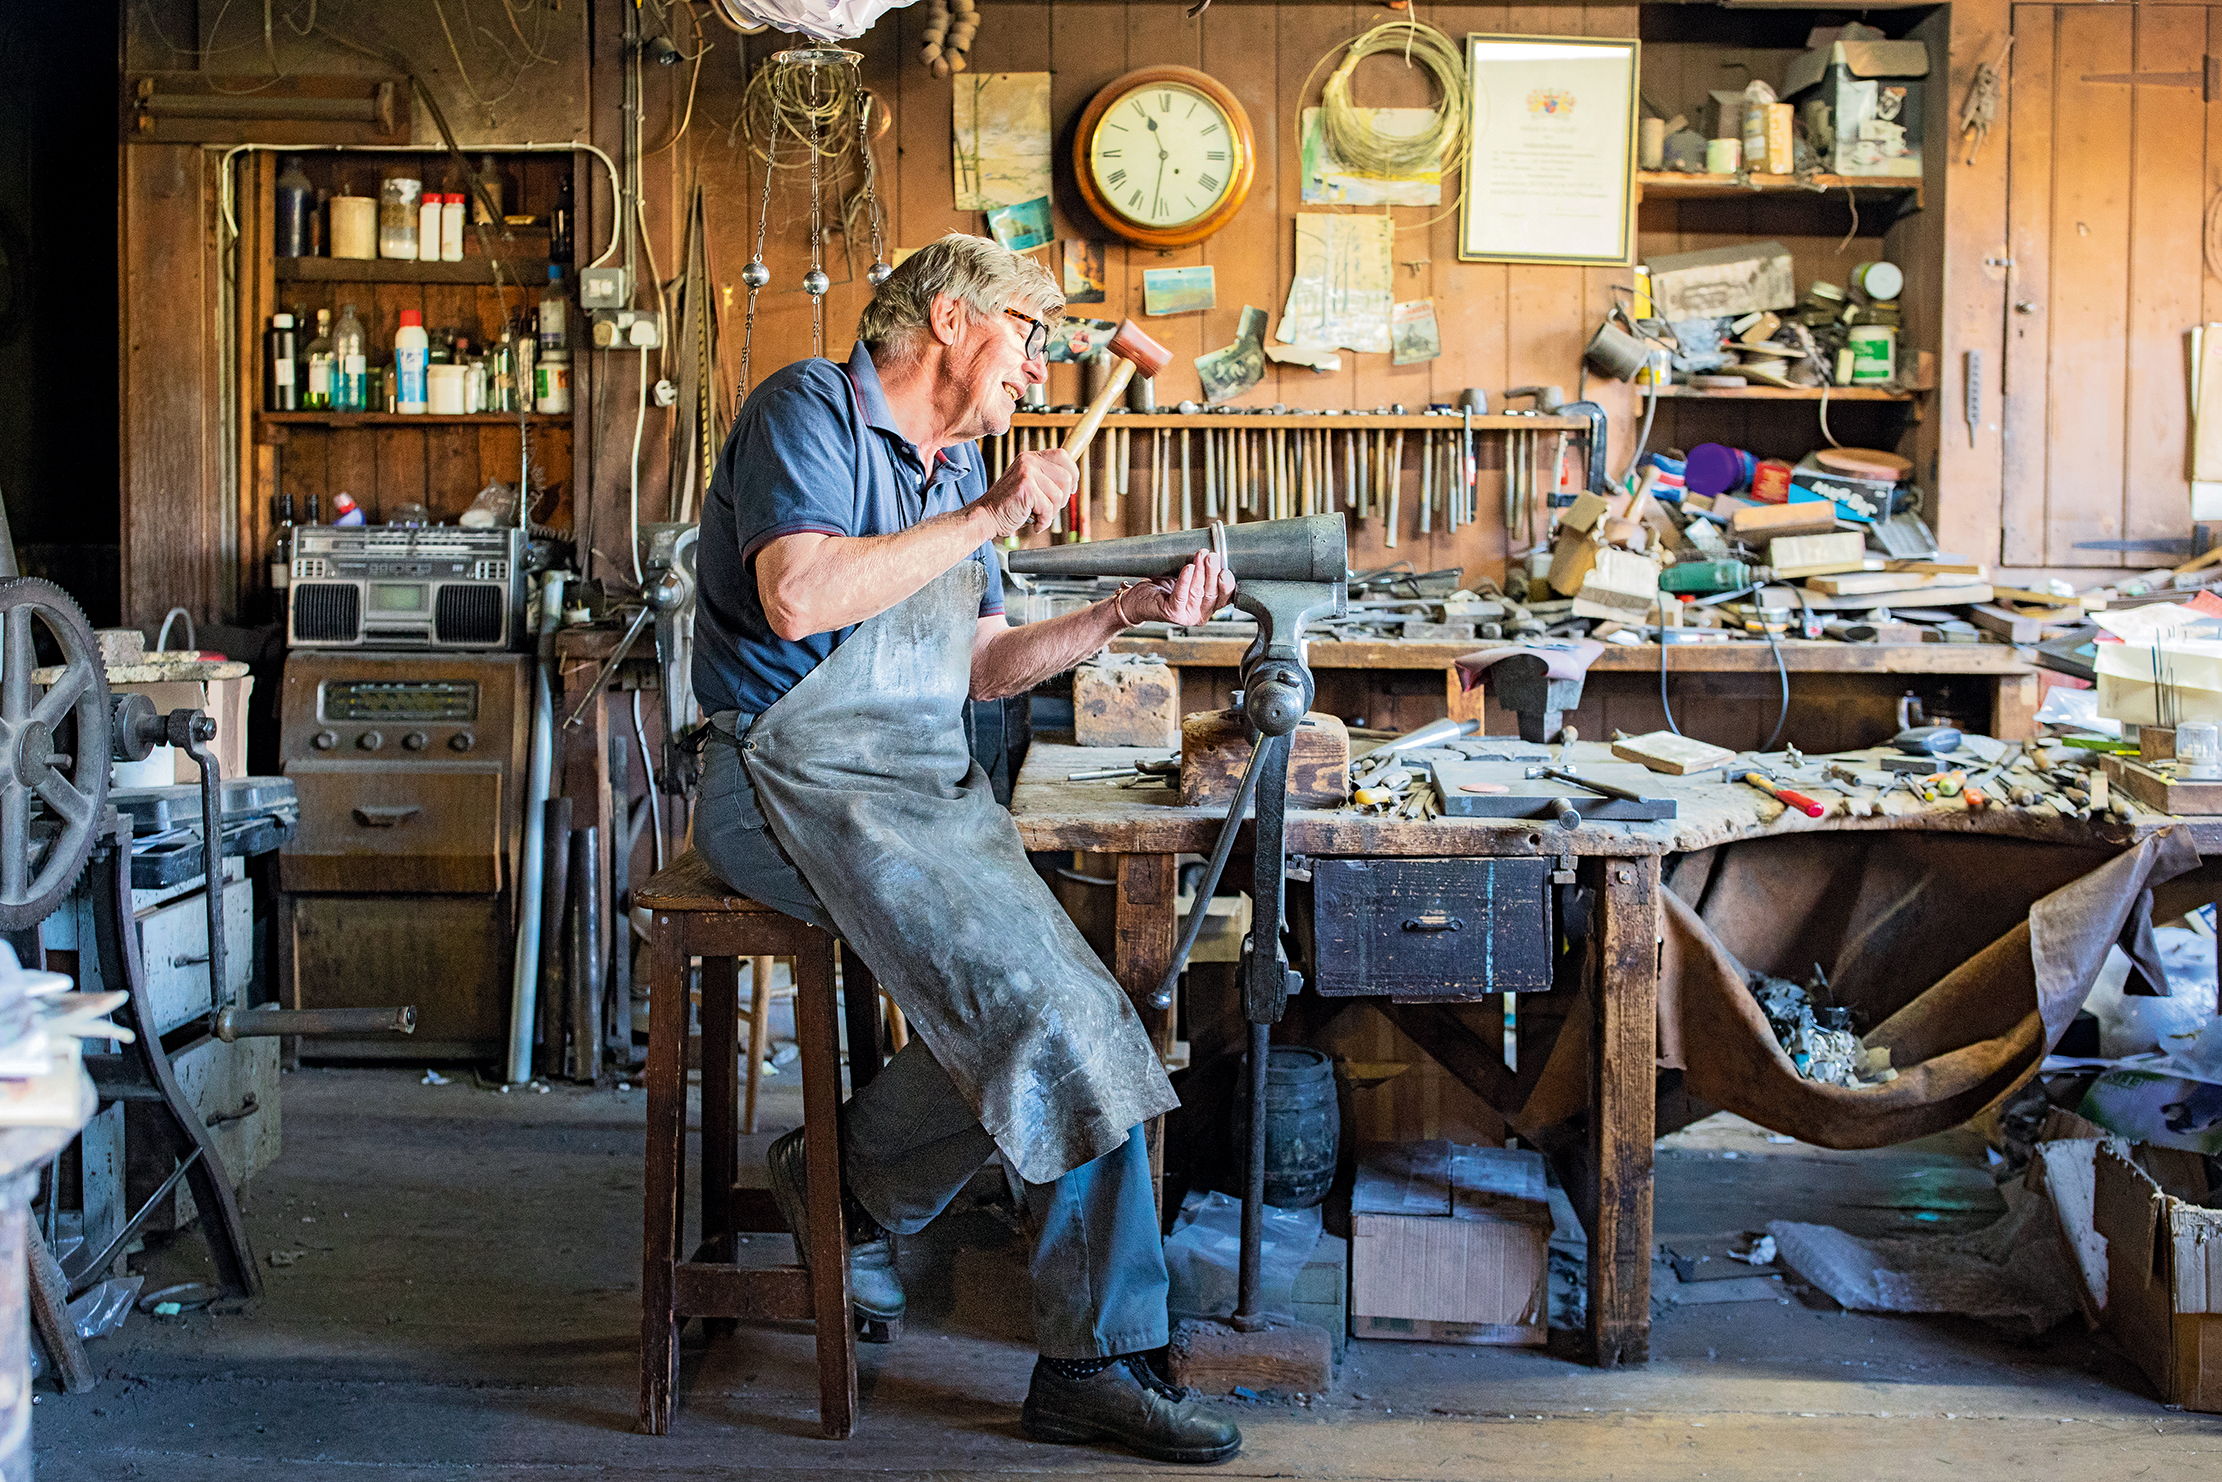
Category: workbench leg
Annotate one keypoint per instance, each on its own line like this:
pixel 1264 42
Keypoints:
pixel 2015 699
pixel 1141 952
pixel 1623 1058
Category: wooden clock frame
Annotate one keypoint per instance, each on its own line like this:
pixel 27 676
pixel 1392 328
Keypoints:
pixel 1238 185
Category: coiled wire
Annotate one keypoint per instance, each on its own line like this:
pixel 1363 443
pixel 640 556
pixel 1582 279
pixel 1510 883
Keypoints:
pixel 1348 130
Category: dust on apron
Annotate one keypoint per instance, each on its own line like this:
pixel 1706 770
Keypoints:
pixel 864 776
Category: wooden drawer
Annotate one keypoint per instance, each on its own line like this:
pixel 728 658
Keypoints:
pixel 1431 928
pixel 396 827
pixel 448 955
pixel 173 942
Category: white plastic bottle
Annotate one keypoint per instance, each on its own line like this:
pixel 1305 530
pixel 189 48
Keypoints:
pixel 428 226
pixel 411 353
pixel 451 227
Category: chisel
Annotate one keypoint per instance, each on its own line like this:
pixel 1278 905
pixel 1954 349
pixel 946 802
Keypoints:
pixel 1798 800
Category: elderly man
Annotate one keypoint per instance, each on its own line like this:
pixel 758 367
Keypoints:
pixel 850 603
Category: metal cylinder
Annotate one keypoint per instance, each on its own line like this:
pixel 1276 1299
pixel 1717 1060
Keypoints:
pixel 1141 395
pixel 235 1024
pixel 583 1061
pixel 555 881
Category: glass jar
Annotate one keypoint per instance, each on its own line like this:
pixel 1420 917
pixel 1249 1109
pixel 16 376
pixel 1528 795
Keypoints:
pixel 399 198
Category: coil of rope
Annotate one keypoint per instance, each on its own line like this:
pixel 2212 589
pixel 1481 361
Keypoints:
pixel 812 105
pixel 1349 131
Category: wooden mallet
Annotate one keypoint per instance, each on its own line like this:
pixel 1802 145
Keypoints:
pixel 1136 352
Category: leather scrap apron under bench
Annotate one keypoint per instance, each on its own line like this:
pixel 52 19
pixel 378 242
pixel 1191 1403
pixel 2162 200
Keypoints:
pixel 863 774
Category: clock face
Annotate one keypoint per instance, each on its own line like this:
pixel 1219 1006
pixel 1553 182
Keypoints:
pixel 1164 155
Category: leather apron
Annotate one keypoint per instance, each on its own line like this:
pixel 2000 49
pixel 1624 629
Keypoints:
pixel 863 774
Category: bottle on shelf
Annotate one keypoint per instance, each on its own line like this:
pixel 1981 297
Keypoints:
pixel 295 195
pixel 551 375
pixel 280 350
pixel 319 220
pixel 559 223
pixel 501 375
pixel 281 552
pixel 554 322
pixel 345 511
pixel 316 393
pixel 350 363
pixel 451 226
pixel 428 226
pixel 489 177
pixel 315 510
pixel 411 354
pixel 399 198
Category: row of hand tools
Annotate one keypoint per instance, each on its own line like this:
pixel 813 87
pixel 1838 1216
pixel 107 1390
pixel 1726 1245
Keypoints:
pixel 1194 475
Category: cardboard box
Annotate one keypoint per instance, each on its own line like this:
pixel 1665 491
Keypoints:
pixel 1739 279
pixel 1321 1295
pixel 1449 1244
pixel 2163 1279
pixel 1862 103
pixel 224 700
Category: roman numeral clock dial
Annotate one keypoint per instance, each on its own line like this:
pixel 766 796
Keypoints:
pixel 1164 156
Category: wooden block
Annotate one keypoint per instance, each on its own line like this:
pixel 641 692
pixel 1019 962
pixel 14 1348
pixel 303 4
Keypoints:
pixel 1293 1357
pixel 1912 596
pixel 1214 750
pixel 1571 559
pixel 1676 756
pixel 1620 584
pixel 1793 556
pixel 1852 583
pixel 2009 625
pixel 2154 744
pixel 1126 700
pixel 1810 517
pixel 1584 513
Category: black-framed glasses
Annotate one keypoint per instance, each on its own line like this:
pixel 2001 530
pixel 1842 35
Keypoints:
pixel 1037 334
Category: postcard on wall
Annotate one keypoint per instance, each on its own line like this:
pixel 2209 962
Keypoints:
pixel 1077 339
pixel 1228 373
pixel 1550 154
pixel 1000 138
pixel 1177 290
pixel 1328 181
pixel 1414 335
pixel 1340 295
pixel 1022 227
pixel 1084 279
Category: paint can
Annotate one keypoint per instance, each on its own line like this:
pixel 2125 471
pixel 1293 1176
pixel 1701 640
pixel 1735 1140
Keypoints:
pixel 1723 156
pixel 1714 468
pixel 1651 144
pixel 354 226
pixel 1874 351
pixel 1882 282
pixel 1770 481
pixel 1615 352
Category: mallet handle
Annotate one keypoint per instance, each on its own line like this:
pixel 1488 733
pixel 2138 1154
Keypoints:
pixel 1084 431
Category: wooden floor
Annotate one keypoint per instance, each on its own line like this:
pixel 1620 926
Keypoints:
pixel 457 1300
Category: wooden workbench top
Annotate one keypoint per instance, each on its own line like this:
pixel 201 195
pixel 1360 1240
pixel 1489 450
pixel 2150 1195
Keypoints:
pixel 1799 656
pixel 1053 813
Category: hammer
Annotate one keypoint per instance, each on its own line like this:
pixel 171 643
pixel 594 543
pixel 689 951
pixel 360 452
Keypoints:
pixel 1136 352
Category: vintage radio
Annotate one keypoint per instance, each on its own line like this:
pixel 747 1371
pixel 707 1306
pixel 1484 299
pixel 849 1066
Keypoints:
pixel 400 587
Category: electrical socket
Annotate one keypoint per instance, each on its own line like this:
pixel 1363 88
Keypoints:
pixel 626 329
pixel 604 288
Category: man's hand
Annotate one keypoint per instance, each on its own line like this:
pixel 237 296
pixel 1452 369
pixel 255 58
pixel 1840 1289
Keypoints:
pixel 1201 589
pixel 1035 487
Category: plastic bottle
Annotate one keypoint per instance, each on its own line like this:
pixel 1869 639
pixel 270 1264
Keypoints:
pixel 281 550
pixel 345 511
pixel 428 226
pixel 451 227
pixel 551 375
pixel 295 194
pixel 318 392
pixel 411 354
pixel 559 225
pixel 280 390
pixel 555 316
pixel 351 363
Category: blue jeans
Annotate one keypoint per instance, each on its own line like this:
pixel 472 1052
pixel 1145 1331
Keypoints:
pixel 911 1141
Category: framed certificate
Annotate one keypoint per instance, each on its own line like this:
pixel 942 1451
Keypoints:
pixel 1551 150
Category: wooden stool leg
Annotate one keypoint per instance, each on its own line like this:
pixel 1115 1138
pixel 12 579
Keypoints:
pixel 759 1033
pixel 663 1176
pixel 829 1245
pixel 860 1001
pixel 721 1109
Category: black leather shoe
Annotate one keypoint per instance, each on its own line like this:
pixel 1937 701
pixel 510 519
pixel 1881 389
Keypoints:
pixel 875 1289
pixel 1127 1403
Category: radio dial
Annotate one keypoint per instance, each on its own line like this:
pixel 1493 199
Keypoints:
pixel 461 741
pixel 415 741
pixel 370 740
pixel 324 740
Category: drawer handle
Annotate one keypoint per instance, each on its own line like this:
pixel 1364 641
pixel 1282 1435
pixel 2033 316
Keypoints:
pixel 392 817
pixel 247 1108
pixel 1433 923
pixel 203 958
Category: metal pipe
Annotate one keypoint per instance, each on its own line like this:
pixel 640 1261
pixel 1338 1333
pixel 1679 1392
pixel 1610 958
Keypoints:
pixel 620 918
pixel 585 1058
pixel 525 966
pixel 237 1024
pixel 555 893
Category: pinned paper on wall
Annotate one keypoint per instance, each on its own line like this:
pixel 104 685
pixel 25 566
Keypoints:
pixel 1000 138
pixel 1178 290
pixel 1084 275
pixel 1022 227
pixel 1330 182
pixel 1413 334
pixel 1077 339
pixel 1341 293
pixel 1228 373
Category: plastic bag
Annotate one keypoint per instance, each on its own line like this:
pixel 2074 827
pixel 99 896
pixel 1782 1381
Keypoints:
pixel 496 504
pixel 102 1310
pixel 1203 1256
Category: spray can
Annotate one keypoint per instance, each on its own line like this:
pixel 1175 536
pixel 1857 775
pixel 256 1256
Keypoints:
pixel 411 353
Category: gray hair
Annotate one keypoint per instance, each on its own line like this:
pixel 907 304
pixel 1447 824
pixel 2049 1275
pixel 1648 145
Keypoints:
pixel 982 275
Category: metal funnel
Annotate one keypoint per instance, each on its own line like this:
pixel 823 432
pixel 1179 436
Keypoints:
pixel 1315 548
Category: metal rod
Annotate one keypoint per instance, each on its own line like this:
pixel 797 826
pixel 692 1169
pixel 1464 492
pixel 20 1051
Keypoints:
pixel 238 1024
pixel 1193 927
pixel 584 1060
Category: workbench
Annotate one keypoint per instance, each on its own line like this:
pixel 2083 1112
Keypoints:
pixel 1842 694
pixel 1146 829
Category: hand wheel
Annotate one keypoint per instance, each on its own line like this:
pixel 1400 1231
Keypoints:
pixel 54 750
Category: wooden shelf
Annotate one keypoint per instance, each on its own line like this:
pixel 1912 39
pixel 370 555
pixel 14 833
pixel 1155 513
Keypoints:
pixel 1780 393
pixel 1672 185
pixel 525 272
pixel 1313 421
pixel 411 419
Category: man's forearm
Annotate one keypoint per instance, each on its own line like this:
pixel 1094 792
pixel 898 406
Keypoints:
pixel 1017 659
pixel 812 586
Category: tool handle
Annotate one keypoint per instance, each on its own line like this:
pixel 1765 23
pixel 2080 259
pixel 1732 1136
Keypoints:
pixel 1084 431
pixel 1801 802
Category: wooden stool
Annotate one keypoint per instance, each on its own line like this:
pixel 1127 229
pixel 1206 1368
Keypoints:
pixel 692 913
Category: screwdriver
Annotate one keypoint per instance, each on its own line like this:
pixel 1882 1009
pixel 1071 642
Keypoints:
pixel 1785 796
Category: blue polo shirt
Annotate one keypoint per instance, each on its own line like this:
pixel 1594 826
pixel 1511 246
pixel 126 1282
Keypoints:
pixel 814 449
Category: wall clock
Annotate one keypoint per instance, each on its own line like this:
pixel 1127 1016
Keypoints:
pixel 1165 156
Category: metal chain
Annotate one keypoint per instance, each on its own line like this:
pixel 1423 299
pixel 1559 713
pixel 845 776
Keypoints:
pixel 817 236
pixel 871 172
pixel 754 275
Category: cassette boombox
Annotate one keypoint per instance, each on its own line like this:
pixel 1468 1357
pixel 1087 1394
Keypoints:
pixel 397 587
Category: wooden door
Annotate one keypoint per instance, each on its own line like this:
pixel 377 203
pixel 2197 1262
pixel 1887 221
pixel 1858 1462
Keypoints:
pixel 2112 159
